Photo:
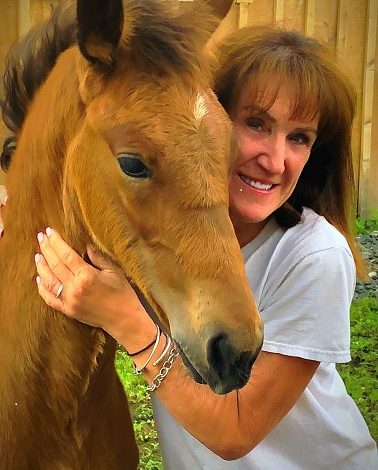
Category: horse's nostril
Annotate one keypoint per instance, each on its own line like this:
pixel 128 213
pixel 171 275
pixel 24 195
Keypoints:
pixel 220 354
pixel 232 368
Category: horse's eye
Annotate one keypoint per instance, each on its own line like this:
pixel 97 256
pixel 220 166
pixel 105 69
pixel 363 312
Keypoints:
pixel 132 166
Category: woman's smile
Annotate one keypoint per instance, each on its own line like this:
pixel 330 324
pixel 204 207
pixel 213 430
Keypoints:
pixel 257 185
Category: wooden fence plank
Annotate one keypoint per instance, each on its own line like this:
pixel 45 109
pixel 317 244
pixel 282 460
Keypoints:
pixel 309 26
pixel 243 12
pixel 341 36
pixel 367 108
pixel 23 17
pixel 279 11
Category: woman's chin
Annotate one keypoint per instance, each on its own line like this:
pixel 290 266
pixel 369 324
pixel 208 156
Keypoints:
pixel 249 214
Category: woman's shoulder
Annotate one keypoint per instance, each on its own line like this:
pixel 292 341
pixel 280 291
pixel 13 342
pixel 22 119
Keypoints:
pixel 313 244
pixel 305 295
pixel 311 235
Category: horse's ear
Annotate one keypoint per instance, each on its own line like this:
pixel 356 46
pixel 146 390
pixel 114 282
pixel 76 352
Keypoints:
pixel 220 9
pixel 100 24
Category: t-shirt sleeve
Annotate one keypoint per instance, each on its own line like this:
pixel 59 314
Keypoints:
pixel 306 311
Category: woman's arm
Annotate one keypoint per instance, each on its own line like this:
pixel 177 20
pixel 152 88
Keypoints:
pixel 232 425
pixel 102 297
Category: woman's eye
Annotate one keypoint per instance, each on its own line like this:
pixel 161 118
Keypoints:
pixel 301 139
pixel 255 124
pixel 132 166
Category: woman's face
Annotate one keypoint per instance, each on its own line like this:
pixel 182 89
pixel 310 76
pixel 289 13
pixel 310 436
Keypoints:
pixel 272 153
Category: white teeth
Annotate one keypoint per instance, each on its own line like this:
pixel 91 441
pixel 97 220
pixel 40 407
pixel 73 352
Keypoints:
pixel 255 184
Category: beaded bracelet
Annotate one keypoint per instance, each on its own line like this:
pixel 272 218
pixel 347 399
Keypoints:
pixel 141 350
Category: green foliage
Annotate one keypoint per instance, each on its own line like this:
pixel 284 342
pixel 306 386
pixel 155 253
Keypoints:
pixel 361 374
pixel 366 226
pixel 360 377
pixel 141 410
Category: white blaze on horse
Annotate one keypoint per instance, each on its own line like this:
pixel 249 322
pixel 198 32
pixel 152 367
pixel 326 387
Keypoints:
pixel 122 144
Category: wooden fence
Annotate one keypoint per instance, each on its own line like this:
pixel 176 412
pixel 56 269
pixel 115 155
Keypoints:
pixel 348 26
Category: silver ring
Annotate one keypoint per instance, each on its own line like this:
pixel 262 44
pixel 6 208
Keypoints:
pixel 59 291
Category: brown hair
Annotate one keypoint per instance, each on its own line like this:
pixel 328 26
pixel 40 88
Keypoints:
pixel 267 57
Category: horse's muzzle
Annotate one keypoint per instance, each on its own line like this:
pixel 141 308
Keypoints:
pixel 228 369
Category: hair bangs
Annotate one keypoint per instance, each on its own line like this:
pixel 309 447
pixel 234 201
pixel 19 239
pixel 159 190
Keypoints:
pixel 275 70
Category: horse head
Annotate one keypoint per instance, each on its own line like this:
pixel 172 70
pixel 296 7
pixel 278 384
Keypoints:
pixel 136 152
pixel 156 147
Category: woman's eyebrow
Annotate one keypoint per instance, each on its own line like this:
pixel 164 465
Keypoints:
pixel 261 112
pixel 307 129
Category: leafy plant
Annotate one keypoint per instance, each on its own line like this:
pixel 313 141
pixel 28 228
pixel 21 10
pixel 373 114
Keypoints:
pixel 361 374
pixel 368 225
pixel 141 412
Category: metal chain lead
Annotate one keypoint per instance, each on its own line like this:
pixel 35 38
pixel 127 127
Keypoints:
pixel 166 367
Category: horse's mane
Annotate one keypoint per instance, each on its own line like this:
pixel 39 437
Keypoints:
pixel 27 65
pixel 159 40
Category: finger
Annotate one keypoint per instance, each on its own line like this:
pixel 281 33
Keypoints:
pixel 3 201
pixel 66 254
pixel 50 299
pixel 46 276
pixel 3 195
pixel 55 264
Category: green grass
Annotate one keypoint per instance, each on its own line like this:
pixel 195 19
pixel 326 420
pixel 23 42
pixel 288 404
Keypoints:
pixel 361 374
pixel 366 226
pixel 360 377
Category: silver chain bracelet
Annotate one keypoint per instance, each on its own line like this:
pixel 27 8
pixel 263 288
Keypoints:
pixel 166 367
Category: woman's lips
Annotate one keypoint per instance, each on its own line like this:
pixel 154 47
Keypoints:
pixel 257 185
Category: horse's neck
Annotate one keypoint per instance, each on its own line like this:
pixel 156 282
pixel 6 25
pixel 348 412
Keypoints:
pixel 35 178
pixel 35 341
pixel 35 183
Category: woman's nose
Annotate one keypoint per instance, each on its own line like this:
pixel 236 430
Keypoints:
pixel 272 159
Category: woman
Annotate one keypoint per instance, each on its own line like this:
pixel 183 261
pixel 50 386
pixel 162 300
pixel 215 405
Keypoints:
pixel 290 203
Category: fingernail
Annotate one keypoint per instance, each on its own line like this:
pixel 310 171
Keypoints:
pixel 38 280
pixel 1 231
pixel 49 232
pixel 37 258
pixel 40 237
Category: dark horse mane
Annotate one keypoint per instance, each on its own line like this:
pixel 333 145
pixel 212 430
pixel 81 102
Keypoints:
pixel 27 65
pixel 170 43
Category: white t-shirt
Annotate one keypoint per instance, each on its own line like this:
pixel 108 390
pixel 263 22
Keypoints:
pixel 303 281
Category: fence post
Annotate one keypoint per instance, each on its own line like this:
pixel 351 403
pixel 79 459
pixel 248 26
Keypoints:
pixel 367 109
pixel 23 17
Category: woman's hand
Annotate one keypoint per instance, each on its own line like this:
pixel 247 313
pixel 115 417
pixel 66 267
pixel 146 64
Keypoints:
pixel 3 201
pixel 99 296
